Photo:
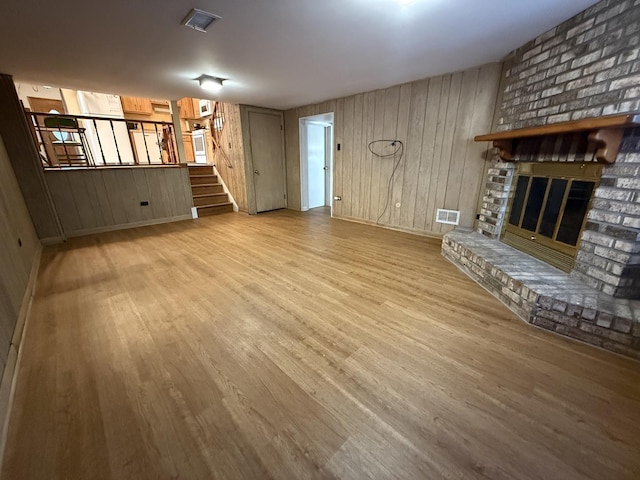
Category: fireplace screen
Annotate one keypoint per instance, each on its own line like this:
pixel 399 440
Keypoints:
pixel 549 210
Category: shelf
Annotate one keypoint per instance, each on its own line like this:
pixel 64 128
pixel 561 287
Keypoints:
pixel 605 132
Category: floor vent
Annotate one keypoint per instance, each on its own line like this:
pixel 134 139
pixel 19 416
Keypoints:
pixel 450 217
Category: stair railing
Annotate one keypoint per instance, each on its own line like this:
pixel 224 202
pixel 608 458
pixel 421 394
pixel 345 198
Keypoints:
pixel 217 126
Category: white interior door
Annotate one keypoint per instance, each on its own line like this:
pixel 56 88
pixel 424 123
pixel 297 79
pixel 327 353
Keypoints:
pixel 328 161
pixel 268 160
pixel 148 143
pixel 317 166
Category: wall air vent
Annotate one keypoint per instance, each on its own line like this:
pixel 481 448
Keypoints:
pixel 200 20
pixel 450 217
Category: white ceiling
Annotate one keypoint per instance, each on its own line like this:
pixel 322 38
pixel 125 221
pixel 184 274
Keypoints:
pixel 275 53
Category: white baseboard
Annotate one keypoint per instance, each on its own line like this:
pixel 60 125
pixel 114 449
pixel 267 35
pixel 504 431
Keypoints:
pixel 10 374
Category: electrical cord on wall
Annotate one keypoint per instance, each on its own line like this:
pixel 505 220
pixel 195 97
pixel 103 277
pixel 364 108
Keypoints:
pixel 399 151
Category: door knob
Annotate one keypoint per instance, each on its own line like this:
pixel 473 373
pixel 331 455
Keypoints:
pixel 325 168
pixel 256 172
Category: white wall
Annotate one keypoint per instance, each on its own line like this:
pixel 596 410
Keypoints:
pixel 26 90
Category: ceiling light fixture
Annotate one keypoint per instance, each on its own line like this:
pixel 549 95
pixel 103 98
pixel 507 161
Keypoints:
pixel 199 19
pixel 212 84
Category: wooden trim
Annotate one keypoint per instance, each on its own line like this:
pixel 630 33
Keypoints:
pixel 615 121
pixel 124 226
pixel 605 132
pixel 52 241
pixel 413 231
pixel 10 374
pixel 93 168
pixel 505 147
pixel 607 142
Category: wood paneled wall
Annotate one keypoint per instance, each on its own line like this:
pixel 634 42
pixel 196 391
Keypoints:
pixel 442 167
pixel 19 249
pixel 231 166
pixel 25 161
pixel 96 200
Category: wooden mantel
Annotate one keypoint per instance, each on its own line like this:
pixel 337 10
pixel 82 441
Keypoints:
pixel 605 132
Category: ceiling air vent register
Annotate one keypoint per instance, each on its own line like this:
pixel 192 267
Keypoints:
pixel 200 20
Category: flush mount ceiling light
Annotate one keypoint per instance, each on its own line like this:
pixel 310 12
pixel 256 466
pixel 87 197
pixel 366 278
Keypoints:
pixel 212 84
pixel 199 19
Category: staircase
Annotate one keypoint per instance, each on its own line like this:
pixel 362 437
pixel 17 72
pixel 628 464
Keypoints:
pixel 208 195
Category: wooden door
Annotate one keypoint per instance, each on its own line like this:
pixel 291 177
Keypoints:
pixel 267 154
pixel 46 105
pixel 49 139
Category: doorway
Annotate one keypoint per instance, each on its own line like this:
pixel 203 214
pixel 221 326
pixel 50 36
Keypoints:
pixel 316 161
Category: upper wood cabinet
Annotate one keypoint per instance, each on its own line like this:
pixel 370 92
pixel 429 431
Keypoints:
pixel 141 106
pixel 188 108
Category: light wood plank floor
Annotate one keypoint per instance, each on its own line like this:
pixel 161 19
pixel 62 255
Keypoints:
pixel 293 346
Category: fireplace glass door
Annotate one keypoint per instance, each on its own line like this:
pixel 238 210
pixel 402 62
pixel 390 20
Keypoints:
pixel 549 210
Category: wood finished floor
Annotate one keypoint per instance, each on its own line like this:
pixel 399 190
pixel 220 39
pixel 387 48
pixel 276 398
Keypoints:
pixel 293 346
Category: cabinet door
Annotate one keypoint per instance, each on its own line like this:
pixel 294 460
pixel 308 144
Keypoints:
pixel 144 106
pixel 136 105
pixel 186 108
pixel 129 105
pixel 182 105
pixel 188 149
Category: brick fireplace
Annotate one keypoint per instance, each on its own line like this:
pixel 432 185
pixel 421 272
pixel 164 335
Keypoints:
pixel 586 68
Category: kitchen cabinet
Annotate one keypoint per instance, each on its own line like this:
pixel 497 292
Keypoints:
pixel 188 108
pixel 159 103
pixel 188 149
pixel 141 106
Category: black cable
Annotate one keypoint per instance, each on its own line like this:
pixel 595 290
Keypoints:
pixel 399 148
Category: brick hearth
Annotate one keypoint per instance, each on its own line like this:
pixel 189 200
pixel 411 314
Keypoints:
pixel 545 296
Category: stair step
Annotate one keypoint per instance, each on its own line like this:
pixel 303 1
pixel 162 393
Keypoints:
pixel 210 199
pixel 203 179
pixel 206 210
pixel 200 170
pixel 206 189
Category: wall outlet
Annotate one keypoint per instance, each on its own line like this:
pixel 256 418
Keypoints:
pixel 144 203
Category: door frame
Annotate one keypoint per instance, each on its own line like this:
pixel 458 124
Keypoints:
pixel 326 119
pixel 245 110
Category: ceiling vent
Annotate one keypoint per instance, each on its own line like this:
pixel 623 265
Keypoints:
pixel 200 20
